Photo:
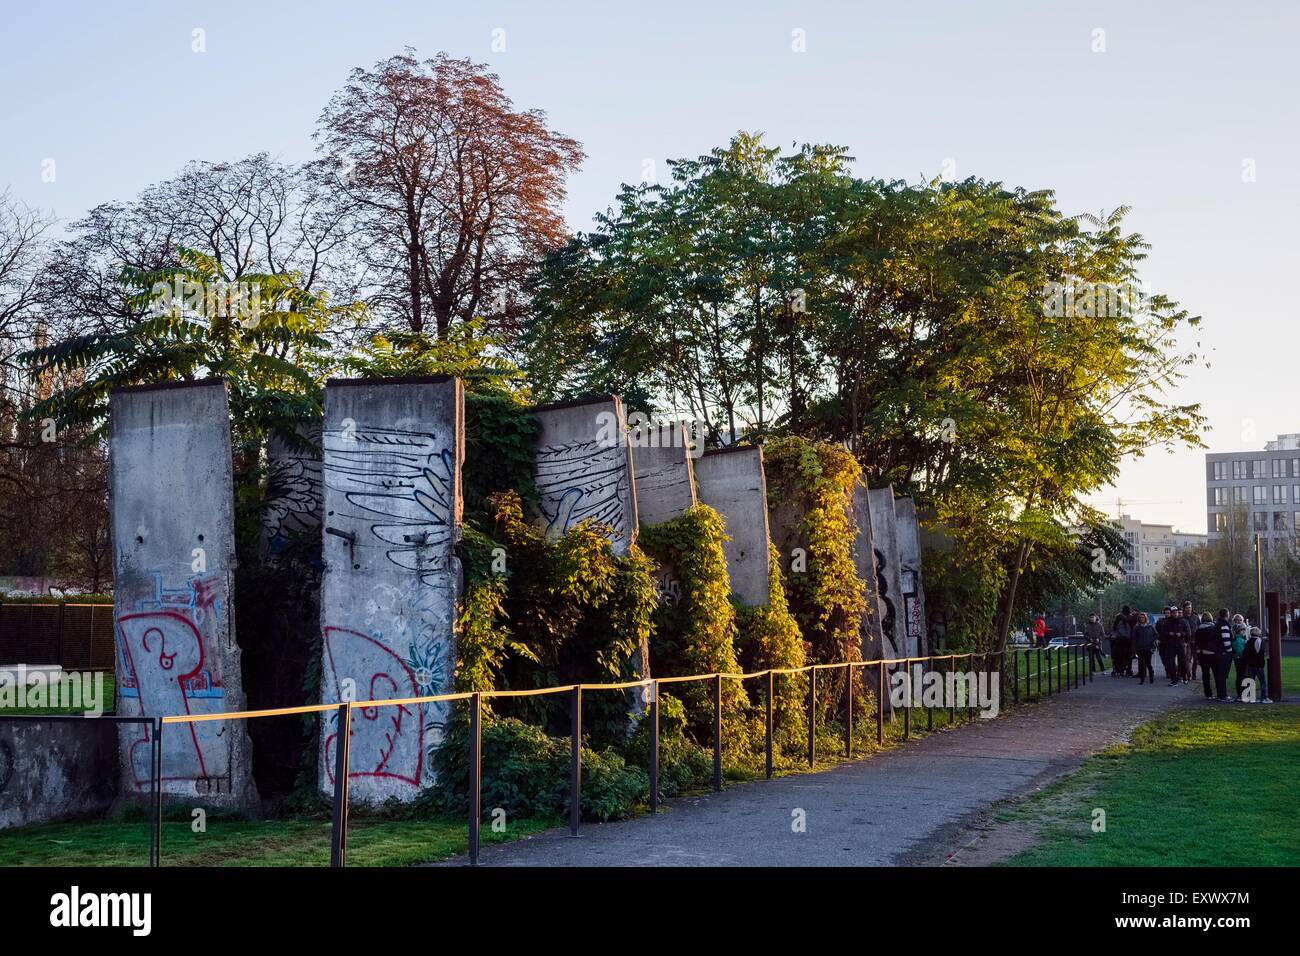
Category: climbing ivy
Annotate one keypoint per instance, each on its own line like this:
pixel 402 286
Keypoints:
pixel 768 638
pixel 695 623
pixel 826 597
pixel 541 613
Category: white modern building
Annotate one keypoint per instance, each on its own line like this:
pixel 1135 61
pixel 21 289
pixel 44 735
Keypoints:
pixel 1152 546
pixel 1266 483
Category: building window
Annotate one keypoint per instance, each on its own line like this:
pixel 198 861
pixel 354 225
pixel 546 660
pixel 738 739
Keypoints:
pixel 1279 520
pixel 1279 467
pixel 1260 493
pixel 1279 494
pixel 1220 470
pixel 1239 495
pixel 1221 521
pixel 1237 470
pixel 1295 467
pixel 1261 468
pixel 1261 520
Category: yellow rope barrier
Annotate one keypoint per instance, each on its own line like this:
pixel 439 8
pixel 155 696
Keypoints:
pixel 566 688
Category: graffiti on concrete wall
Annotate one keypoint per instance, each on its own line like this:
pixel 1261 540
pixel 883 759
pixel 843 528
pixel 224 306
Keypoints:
pixel 293 499
pixel 888 617
pixel 583 481
pixel 397 485
pixel 169 664
pixel 390 491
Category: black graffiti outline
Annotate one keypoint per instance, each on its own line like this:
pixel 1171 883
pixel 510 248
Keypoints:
pixel 418 472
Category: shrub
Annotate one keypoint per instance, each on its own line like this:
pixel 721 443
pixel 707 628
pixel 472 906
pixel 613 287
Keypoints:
pixel 526 774
pixel 696 634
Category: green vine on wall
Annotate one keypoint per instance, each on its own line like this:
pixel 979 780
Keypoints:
pixel 696 633
pixel 827 597
pixel 768 638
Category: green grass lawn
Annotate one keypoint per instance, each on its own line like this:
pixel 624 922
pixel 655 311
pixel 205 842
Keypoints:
pixel 247 843
pixel 1212 785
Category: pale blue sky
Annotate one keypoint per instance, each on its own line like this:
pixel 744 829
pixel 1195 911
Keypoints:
pixel 1162 120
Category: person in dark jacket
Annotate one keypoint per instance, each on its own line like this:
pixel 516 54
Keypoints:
pixel 1093 633
pixel 1192 618
pixel 1121 641
pixel 1181 626
pixel 1165 639
pixel 1223 661
pixel 1253 658
pixel 1207 652
pixel 1144 645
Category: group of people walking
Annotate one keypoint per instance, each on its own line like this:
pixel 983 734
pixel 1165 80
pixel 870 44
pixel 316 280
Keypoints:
pixel 1185 643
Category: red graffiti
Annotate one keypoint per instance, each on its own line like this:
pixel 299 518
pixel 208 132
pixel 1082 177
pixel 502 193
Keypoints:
pixel 164 656
pixel 386 742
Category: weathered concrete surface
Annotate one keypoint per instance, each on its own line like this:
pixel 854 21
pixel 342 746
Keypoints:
pixel 909 805
pixel 393 451
pixel 56 770
pixel 909 561
pixel 864 558
pixel 889 581
pixel 172 503
pixel 732 483
pixel 665 480
pixel 584 468
pixel 293 488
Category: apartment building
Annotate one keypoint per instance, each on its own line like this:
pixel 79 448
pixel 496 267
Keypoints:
pixel 1266 483
pixel 1152 546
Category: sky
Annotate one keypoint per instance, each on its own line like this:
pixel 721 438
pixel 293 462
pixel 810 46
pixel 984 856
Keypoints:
pixel 1186 111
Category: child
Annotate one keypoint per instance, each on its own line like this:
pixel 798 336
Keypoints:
pixel 1253 658
pixel 1239 637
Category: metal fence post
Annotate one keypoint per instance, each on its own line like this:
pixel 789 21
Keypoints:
pixel 907 699
pixel 1015 675
pixel 155 794
pixel 768 747
pixel 948 675
pixel 654 746
pixel 475 774
pixel 929 710
pixel 812 716
pixel 970 710
pixel 575 760
pixel 848 713
pixel 63 606
pixel 339 828
pixel 717 732
pixel 880 702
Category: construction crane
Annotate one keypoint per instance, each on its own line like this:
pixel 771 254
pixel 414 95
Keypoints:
pixel 1121 502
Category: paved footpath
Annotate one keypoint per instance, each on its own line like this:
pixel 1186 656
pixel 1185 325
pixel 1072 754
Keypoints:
pixel 914 804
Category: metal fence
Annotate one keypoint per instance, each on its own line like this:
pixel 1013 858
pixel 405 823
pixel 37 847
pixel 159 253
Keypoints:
pixel 1066 667
pixel 77 637
pixel 1053 670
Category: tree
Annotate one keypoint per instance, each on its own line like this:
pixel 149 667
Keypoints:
pixel 1192 575
pixel 967 341
pixel 1234 560
pixel 453 193
pixel 263 335
pixel 690 296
